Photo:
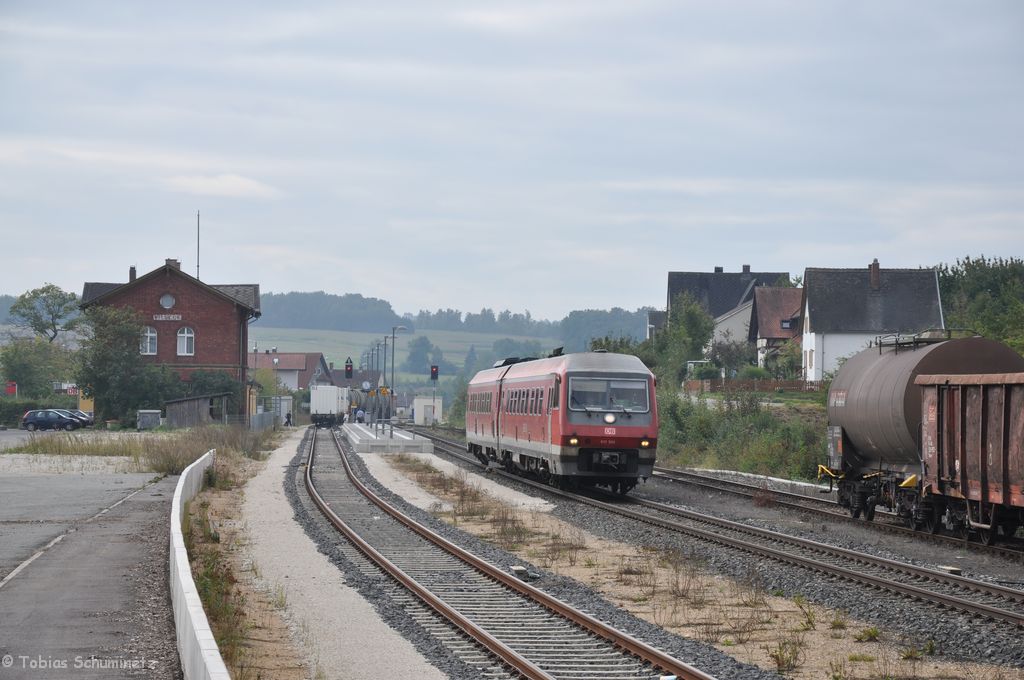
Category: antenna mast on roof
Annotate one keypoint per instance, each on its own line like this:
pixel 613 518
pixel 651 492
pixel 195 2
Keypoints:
pixel 197 244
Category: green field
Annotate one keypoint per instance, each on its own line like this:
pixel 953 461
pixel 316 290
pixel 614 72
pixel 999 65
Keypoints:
pixel 337 346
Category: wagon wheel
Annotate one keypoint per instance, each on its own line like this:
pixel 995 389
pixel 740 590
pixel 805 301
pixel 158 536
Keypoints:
pixel 854 511
pixel 869 512
pixel 1010 528
pixel 988 536
pixel 931 522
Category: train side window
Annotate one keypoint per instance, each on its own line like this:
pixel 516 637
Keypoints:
pixel 540 401
pixel 554 396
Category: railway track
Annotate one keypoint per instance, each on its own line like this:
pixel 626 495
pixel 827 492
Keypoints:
pixel 822 507
pixel 976 598
pixel 496 623
pixel 828 508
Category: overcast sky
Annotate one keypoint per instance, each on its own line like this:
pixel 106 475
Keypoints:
pixel 542 156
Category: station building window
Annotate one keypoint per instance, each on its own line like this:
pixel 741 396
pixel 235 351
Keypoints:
pixel 186 342
pixel 147 342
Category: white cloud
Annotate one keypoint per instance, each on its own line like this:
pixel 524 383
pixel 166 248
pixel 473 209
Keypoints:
pixel 227 185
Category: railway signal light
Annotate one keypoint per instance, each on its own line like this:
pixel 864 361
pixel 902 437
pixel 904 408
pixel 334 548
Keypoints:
pixel 433 372
pixel 348 369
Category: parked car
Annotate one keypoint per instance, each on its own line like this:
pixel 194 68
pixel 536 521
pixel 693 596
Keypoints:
pixel 48 419
pixel 80 417
pixel 88 416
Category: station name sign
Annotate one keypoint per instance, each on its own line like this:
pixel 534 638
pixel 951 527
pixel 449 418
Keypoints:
pixel 167 317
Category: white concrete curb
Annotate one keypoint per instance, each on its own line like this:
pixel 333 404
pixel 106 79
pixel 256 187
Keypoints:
pixel 197 649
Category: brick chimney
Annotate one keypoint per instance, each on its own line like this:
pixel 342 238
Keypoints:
pixel 719 270
pixel 170 262
pixel 746 269
pixel 876 276
pixel 131 273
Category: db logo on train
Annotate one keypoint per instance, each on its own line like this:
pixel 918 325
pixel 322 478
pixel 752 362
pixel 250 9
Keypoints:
pixel 609 431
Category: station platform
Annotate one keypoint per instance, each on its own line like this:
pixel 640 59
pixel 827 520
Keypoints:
pixel 365 438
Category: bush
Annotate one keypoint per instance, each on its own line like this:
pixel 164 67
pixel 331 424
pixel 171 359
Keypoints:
pixel 707 372
pixel 738 433
pixel 754 373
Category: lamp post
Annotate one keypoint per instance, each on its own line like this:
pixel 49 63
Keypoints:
pixel 391 394
pixel 376 408
pixel 384 373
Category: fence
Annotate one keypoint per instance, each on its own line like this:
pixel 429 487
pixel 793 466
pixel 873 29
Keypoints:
pixel 197 649
pixel 720 385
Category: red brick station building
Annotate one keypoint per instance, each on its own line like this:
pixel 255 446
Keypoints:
pixel 189 325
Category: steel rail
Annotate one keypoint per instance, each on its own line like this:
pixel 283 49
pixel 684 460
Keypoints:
pixel 803 503
pixel 495 646
pixel 915 592
pixel 616 637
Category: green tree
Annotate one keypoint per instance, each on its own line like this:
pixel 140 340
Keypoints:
pixel 985 295
pixel 35 365
pixel 46 311
pixel 216 382
pixel 109 362
pixel 732 355
pixel 684 338
pixel 785 362
pixel 418 359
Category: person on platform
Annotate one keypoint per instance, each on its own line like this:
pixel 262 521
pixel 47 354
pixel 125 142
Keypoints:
pixel 288 420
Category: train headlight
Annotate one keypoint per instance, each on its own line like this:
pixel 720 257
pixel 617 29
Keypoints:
pixel 609 418
pixel 574 441
pixel 644 443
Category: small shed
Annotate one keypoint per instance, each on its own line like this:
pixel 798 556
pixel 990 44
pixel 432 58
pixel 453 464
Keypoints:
pixel 427 410
pixel 204 409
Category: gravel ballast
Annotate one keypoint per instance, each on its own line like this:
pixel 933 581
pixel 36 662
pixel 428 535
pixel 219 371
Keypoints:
pixel 695 653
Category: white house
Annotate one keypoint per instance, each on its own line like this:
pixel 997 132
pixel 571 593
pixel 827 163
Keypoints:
pixel 734 325
pixel 845 310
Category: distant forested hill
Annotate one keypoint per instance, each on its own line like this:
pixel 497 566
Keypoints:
pixel 353 312
pixel 320 310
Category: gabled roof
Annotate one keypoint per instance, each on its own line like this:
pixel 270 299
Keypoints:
pixel 286 361
pixel 843 301
pixel 246 295
pixel 718 292
pixel 773 306
pixel 304 363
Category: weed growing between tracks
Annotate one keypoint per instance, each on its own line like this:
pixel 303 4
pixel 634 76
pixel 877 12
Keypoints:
pixel 675 590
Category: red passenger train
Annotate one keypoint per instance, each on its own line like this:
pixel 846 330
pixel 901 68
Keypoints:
pixel 582 419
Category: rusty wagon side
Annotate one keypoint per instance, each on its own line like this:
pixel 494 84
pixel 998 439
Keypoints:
pixel 972 449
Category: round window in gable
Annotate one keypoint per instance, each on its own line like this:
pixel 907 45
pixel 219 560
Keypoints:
pixel 166 300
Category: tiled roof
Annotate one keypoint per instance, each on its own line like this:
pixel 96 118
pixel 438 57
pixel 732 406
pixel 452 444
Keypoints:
pixel 718 292
pixel 247 295
pixel 772 306
pixel 842 300
pixel 286 361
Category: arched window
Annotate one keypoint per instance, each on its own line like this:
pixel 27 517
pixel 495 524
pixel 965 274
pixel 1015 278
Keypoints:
pixel 186 342
pixel 147 341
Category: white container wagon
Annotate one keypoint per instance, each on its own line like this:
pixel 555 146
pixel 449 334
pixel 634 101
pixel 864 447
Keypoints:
pixel 328 405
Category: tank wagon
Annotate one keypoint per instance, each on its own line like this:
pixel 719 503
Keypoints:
pixel 581 419
pixel 328 405
pixel 930 428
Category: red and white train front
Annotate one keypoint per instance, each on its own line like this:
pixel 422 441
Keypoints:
pixel 586 419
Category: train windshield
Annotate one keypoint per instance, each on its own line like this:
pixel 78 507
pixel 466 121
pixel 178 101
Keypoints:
pixel 601 394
